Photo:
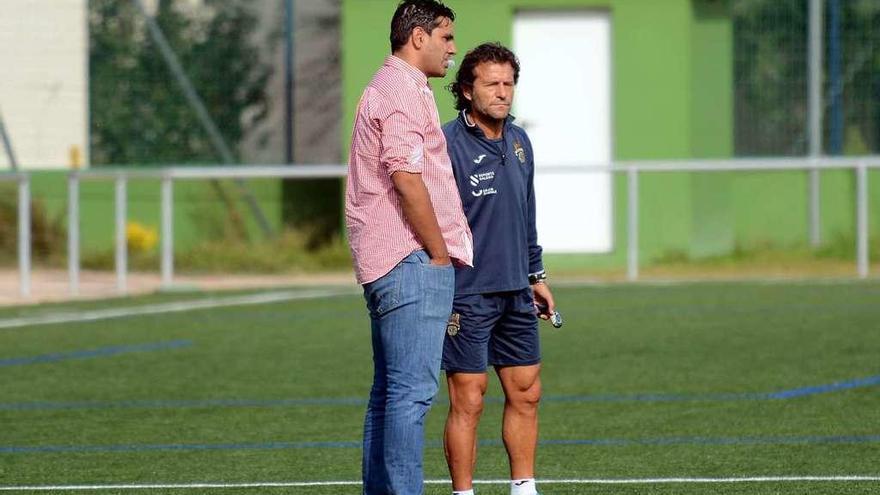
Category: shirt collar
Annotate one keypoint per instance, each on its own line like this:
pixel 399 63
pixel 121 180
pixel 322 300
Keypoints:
pixel 472 127
pixel 398 63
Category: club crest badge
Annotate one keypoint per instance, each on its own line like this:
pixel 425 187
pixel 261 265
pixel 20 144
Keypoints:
pixel 520 152
pixel 453 325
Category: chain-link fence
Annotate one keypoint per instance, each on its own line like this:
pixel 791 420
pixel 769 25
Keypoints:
pixel 771 70
pixel 210 81
pixel 155 64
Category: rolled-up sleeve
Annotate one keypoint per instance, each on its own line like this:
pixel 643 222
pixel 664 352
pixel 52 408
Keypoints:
pixel 402 136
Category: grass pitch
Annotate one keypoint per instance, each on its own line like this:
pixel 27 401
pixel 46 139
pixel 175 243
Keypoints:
pixel 643 382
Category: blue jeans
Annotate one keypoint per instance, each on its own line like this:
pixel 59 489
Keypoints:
pixel 409 308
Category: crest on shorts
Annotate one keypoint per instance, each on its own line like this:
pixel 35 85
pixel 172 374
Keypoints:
pixel 519 152
pixel 453 325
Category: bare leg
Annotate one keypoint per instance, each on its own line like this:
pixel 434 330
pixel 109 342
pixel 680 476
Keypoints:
pixel 522 392
pixel 466 392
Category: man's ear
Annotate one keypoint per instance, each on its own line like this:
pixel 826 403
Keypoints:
pixel 418 38
pixel 468 92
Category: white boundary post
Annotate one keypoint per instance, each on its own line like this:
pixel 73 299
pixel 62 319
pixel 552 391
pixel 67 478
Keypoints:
pixel 121 241
pixel 167 232
pixel 73 232
pixel 24 235
pixel 632 270
pixel 814 123
pixel 862 220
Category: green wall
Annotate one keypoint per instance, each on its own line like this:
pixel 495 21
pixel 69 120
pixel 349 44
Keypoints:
pixel 772 207
pixel 711 130
pixel 652 63
pixel 672 98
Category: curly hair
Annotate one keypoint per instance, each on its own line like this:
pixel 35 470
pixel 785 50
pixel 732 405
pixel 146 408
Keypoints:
pixel 410 14
pixel 487 52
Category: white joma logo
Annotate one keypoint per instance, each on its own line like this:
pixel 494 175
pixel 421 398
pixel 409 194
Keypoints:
pixel 479 159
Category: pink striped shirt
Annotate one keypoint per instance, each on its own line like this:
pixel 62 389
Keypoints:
pixel 397 128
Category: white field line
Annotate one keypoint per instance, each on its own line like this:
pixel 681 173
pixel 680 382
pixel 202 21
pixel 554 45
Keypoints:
pixel 595 481
pixel 575 282
pixel 173 307
pixel 276 296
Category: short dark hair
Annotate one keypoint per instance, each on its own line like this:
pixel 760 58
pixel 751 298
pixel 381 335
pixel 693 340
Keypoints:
pixel 487 52
pixel 411 14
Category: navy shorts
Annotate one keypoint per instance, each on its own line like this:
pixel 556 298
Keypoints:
pixel 500 329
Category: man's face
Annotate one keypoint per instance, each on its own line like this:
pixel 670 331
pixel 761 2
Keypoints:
pixel 438 48
pixel 492 93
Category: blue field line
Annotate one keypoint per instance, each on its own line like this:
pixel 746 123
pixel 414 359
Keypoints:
pixel 181 404
pixel 59 449
pixel 361 402
pixel 658 397
pixel 801 440
pixel 354 444
pixel 831 387
pixel 93 353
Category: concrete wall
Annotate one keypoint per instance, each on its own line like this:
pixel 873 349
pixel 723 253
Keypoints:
pixel 317 106
pixel 44 82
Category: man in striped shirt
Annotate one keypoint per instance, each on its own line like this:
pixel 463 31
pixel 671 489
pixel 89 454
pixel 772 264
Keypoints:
pixel 406 228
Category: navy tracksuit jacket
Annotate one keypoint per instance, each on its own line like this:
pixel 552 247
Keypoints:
pixel 496 183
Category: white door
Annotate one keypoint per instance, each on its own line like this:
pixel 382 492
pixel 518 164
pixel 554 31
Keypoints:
pixel 563 100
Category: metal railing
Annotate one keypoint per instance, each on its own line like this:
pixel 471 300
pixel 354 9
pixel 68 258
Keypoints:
pixel 167 176
pixel 24 231
pixel 860 165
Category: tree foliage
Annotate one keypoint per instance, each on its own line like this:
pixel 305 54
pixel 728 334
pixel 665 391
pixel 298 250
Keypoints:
pixel 138 112
pixel 771 71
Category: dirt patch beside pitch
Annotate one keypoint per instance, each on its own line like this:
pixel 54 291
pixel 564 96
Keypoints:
pixel 48 285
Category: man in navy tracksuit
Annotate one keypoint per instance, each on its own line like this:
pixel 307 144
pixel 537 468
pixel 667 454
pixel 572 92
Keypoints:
pixel 495 316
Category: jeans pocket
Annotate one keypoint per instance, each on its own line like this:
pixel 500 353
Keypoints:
pixel 425 260
pixel 383 294
pixel 438 287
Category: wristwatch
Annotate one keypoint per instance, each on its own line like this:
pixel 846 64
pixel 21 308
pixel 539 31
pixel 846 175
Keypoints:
pixel 535 278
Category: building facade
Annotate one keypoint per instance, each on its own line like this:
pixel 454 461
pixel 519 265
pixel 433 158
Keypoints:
pixel 601 81
pixel 44 51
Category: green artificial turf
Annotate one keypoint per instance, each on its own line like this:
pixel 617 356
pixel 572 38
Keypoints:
pixel 643 381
